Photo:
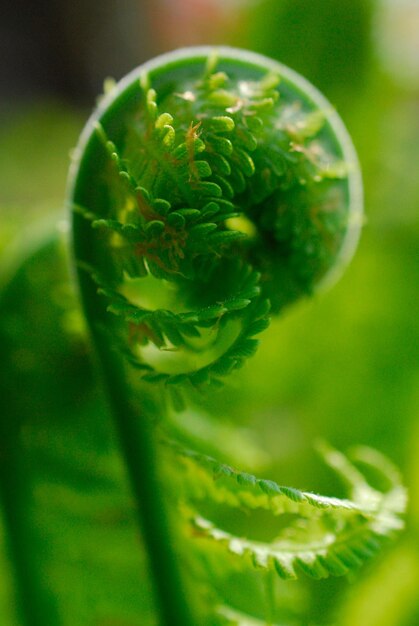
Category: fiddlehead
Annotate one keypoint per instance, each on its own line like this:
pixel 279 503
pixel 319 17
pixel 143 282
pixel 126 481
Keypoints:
pixel 210 187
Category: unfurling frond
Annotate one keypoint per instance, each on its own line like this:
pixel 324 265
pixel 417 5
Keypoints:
pixel 326 536
pixel 211 189
pixel 227 189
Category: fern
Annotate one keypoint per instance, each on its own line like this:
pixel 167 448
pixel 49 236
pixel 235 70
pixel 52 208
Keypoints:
pixel 211 189
pixel 328 536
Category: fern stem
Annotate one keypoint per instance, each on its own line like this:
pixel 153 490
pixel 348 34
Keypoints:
pixel 135 430
pixel 138 448
pixel 35 605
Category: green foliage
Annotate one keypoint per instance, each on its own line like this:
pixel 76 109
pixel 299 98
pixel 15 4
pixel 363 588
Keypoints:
pixel 228 190
pixel 201 190
pixel 325 537
pixel 209 304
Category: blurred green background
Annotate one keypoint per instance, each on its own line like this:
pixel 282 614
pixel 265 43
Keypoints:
pixel 343 366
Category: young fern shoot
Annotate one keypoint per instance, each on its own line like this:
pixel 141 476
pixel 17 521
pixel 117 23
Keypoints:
pixel 210 189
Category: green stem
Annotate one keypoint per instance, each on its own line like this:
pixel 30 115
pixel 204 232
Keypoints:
pixel 34 601
pixel 35 605
pixel 138 446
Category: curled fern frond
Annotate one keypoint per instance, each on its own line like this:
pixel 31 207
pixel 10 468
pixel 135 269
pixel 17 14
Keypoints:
pixel 212 188
pixel 209 183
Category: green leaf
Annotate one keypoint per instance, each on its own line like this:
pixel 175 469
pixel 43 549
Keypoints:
pixel 332 536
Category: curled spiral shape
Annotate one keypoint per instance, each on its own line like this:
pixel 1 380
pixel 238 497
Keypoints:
pixel 210 187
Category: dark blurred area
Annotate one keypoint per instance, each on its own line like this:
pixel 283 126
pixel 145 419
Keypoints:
pixel 65 49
